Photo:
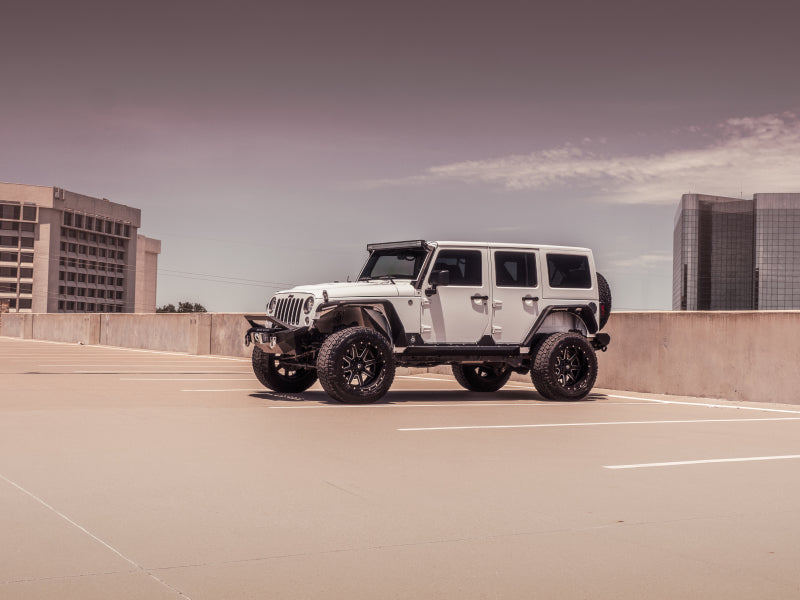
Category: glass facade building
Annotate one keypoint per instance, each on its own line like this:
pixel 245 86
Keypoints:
pixel 734 254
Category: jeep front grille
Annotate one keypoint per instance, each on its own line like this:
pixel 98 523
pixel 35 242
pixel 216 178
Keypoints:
pixel 288 310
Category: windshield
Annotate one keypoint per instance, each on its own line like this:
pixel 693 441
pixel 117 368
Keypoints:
pixel 394 264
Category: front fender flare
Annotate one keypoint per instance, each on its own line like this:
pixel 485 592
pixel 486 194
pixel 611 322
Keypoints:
pixel 334 315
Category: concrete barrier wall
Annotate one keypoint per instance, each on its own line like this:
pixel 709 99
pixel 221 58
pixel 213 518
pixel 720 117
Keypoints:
pixel 227 333
pixel 190 333
pixel 11 325
pixel 78 328
pixel 747 356
pixel 168 332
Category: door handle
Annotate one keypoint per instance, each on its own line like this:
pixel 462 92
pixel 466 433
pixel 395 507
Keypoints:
pixel 479 297
pixel 530 298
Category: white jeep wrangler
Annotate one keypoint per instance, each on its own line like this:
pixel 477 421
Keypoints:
pixel 485 309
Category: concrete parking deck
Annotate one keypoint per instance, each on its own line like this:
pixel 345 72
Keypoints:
pixel 138 474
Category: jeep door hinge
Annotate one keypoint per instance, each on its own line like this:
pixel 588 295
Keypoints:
pixel 497 304
pixel 425 329
pixel 496 329
pixel 425 302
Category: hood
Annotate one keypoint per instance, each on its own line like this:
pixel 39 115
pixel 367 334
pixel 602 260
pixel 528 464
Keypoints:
pixel 354 289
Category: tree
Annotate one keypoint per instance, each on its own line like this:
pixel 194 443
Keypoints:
pixel 183 307
pixel 191 307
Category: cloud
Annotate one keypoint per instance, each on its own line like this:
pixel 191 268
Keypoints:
pixel 508 229
pixel 642 262
pixel 751 154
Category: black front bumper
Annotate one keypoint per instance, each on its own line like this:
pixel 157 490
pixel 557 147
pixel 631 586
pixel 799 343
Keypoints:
pixel 279 338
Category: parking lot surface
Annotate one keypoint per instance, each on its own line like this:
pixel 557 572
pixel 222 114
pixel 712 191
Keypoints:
pixel 132 474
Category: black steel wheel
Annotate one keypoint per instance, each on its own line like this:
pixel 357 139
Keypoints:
pixel 605 300
pixel 356 365
pixel 564 367
pixel 279 377
pixel 488 377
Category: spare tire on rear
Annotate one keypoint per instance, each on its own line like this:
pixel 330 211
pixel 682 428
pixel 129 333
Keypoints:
pixel 605 300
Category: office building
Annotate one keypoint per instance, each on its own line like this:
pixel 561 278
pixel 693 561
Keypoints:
pixel 735 254
pixel 66 252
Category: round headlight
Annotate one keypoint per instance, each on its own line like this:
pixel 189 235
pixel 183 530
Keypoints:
pixel 309 304
pixel 271 305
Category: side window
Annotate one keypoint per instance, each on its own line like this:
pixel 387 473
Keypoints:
pixel 464 266
pixel 568 271
pixel 515 269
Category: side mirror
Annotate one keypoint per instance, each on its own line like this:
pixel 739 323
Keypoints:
pixel 436 279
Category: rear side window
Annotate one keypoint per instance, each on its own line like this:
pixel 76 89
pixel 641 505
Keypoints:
pixel 464 266
pixel 515 269
pixel 568 271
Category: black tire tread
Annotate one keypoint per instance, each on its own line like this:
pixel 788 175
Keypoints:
pixel 326 366
pixel 544 379
pixel 464 375
pixel 604 291
pixel 268 376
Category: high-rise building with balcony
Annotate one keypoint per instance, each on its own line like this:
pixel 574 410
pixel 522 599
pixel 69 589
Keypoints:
pixel 67 252
pixel 735 254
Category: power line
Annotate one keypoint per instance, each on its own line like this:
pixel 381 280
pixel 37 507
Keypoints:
pixel 210 280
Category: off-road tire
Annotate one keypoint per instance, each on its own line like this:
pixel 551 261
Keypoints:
pixel 605 300
pixel 564 367
pixel 356 365
pixel 488 377
pixel 269 371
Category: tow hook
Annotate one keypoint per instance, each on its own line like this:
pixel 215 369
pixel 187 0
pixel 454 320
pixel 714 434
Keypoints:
pixel 600 341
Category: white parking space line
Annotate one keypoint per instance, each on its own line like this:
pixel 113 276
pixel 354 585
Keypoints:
pixel 118 372
pixel 47 355
pixel 426 377
pixel 446 404
pixel 451 379
pixel 171 363
pixel 105 349
pixel 404 405
pixel 701 462
pixel 100 541
pixel 136 367
pixel 510 384
pixel 537 425
pixel 707 404
pixel 266 391
pixel 23 341
pixel 234 390
pixel 187 378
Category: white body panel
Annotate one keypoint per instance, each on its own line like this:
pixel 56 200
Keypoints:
pixel 568 295
pixel 452 315
pixel 514 309
pixel 350 289
pixel 457 313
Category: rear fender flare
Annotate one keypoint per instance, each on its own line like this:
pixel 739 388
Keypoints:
pixel 582 312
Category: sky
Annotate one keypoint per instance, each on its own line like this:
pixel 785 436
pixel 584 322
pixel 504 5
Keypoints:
pixel 267 143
